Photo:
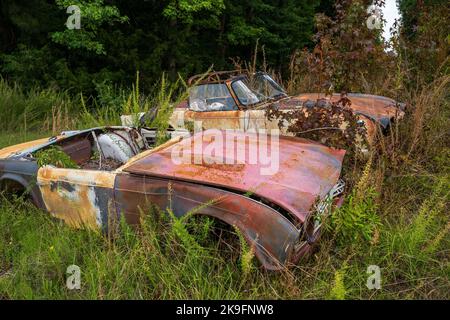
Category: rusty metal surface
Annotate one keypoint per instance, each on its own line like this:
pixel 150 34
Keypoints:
pixel 377 108
pixel 307 170
pixel 81 198
pixel 271 235
pixel 216 119
pixel 79 149
pixel 15 149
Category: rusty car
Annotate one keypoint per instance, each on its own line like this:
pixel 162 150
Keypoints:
pixel 118 174
pixel 239 100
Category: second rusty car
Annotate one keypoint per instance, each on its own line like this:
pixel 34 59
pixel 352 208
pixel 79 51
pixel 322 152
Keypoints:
pixel 117 174
pixel 240 100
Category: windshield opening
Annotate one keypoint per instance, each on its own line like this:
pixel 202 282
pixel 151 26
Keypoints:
pixel 259 88
pixel 211 97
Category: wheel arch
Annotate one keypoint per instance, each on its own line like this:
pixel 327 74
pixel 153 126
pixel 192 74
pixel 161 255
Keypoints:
pixel 268 232
pixel 10 179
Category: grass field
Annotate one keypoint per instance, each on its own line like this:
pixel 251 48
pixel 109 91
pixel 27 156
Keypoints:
pixel 396 216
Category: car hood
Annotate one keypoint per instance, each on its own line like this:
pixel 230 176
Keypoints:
pixel 378 108
pixel 306 170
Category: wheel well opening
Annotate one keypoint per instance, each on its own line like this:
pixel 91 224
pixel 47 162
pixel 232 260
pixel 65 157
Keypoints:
pixel 12 188
pixel 216 234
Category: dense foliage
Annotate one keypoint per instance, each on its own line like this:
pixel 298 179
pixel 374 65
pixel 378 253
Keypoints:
pixel 425 36
pixel 118 37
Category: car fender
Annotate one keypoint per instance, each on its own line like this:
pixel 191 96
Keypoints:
pixel 271 235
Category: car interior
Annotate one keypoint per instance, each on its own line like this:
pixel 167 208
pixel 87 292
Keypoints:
pixel 211 97
pixel 103 149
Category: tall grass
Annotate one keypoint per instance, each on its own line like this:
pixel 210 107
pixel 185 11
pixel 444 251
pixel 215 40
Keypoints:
pixel 396 217
pixel 161 260
pixel 52 111
pixel 34 110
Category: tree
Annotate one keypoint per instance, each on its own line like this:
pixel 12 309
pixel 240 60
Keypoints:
pixel 118 37
pixel 279 26
pixel 424 36
pixel 94 14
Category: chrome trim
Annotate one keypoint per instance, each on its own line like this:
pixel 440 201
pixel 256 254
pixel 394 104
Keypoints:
pixel 322 208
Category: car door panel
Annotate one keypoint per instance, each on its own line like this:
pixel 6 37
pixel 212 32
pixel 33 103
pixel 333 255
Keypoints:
pixel 216 119
pixel 79 197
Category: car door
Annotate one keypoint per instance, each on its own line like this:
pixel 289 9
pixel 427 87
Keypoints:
pixel 215 119
pixel 79 197
pixel 256 120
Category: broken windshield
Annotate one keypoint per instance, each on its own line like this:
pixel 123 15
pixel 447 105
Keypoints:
pixel 211 97
pixel 259 88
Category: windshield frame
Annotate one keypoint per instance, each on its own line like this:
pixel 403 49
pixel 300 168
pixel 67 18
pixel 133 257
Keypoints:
pixel 262 98
pixel 225 86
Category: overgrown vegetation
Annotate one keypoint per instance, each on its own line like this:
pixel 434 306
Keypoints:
pixel 395 215
pixel 119 37
pixel 56 157
pixel 333 124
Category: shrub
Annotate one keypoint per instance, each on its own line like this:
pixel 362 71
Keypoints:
pixel 56 157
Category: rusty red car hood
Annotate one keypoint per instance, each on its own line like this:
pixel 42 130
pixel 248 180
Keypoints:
pixel 374 107
pixel 306 171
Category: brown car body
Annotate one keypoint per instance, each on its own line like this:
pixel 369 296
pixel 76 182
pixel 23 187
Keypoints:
pixel 278 214
pixel 373 111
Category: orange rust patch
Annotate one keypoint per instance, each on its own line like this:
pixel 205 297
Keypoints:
pixel 372 105
pixel 77 210
pixel 370 127
pixel 216 119
pixel 70 194
pixel 80 177
pixel 149 152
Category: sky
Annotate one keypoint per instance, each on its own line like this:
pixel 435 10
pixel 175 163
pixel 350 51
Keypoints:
pixel 390 13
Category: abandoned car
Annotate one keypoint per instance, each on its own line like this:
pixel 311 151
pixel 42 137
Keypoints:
pixel 115 173
pixel 239 100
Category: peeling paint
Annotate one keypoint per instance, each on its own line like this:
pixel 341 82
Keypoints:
pixel 79 197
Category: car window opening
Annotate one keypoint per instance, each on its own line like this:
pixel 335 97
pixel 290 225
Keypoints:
pixel 256 89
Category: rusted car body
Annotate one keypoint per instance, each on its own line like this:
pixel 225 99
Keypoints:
pixel 280 215
pixel 232 100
